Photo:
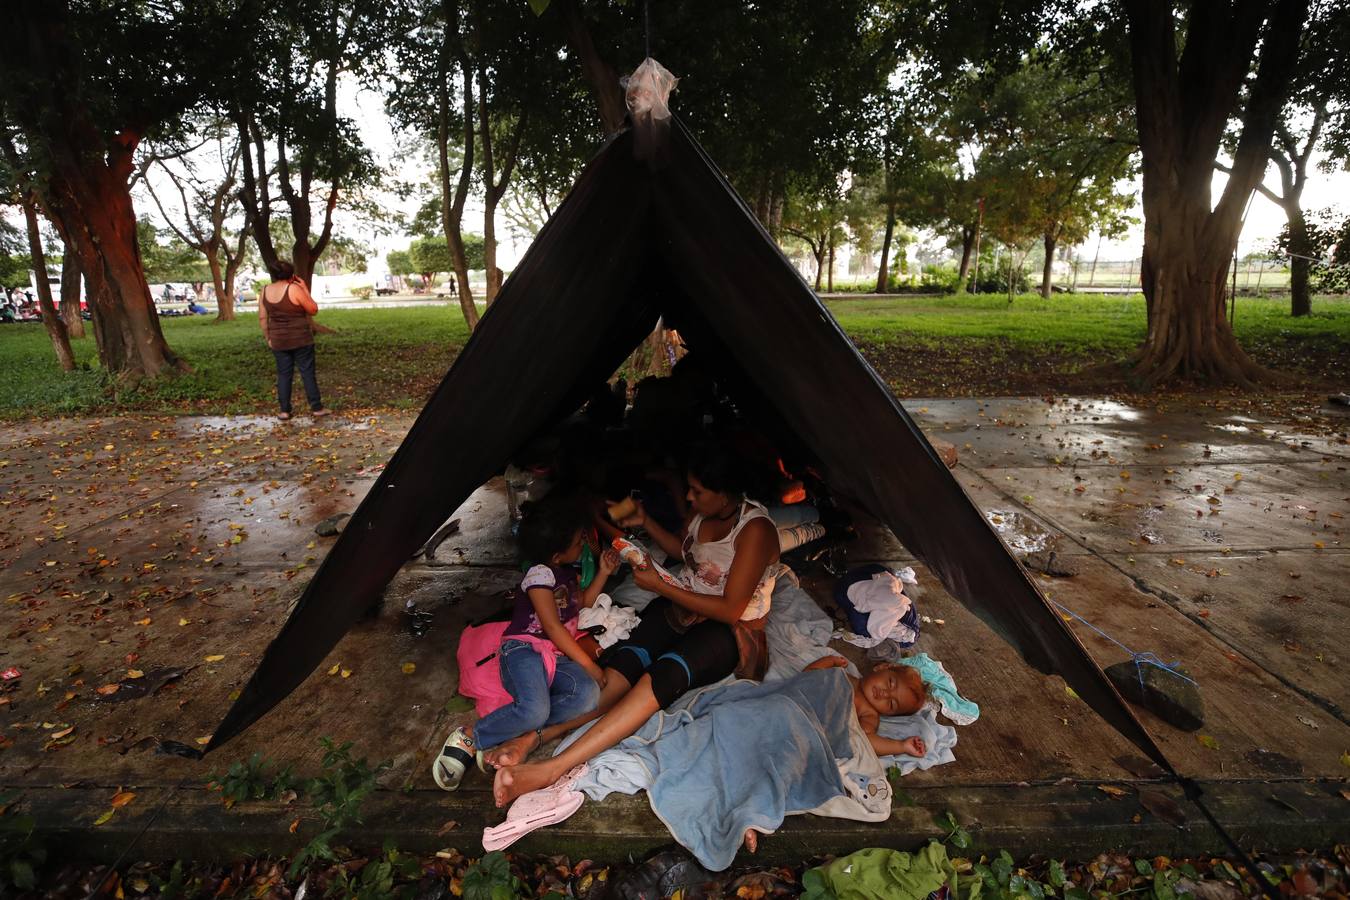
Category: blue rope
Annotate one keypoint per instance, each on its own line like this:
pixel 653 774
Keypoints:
pixel 1140 660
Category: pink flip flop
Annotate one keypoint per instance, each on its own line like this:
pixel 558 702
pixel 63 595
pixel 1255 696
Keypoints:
pixel 546 806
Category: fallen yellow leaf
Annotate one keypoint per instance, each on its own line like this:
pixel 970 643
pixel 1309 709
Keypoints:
pixel 106 817
pixel 145 621
pixel 135 673
pixel 346 673
pixel 182 622
pixel 216 657
pixel 334 670
pixel 122 798
pixel 108 689
pixel 409 668
pixel 204 740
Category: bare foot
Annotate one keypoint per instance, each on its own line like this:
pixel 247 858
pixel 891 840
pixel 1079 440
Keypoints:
pixel 751 840
pixel 512 781
pixel 512 752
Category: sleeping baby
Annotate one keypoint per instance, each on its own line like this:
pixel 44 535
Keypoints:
pixel 886 690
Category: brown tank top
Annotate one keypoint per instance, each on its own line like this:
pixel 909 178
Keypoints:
pixel 288 325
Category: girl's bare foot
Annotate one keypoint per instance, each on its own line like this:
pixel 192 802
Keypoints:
pixel 512 752
pixel 751 840
pixel 512 781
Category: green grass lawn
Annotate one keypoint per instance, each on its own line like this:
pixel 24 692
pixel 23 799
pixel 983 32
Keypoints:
pixel 1085 323
pixel 395 357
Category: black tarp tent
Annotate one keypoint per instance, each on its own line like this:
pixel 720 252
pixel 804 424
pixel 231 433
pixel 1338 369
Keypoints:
pixel 635 239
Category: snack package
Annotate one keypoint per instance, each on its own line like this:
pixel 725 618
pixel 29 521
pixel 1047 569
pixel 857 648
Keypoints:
pixel 636 555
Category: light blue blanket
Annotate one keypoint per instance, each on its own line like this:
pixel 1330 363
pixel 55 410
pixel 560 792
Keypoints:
pixel 735 756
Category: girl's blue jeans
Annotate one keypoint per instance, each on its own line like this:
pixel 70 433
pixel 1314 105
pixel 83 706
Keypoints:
pixel 535 703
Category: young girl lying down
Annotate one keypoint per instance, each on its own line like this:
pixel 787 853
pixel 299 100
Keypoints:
pixel 886 690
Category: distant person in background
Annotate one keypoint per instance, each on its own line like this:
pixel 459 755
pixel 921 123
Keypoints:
pixel 284 312
pixel 196 308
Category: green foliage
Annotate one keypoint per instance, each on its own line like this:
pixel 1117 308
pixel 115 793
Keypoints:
pixel 490 879
pixel 399 262
pixel 363 292
pixel 378 879
pixel 14 268
pixel 344 255
pixel 337 796
pixel 1328 241
pixel 253 779
pixel 165 257
pixel 173 887
pixel 21 855
pixel 957 836
pixel 430 255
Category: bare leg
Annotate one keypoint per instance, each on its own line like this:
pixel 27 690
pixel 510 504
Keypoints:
pixel 517 749
pixel 627 716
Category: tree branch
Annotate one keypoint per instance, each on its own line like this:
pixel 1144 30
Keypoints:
pixel 1265 191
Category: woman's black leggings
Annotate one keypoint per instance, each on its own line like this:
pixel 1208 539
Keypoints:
pixel 677 660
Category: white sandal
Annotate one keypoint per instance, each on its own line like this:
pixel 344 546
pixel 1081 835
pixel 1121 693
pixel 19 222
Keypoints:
pixel 448 768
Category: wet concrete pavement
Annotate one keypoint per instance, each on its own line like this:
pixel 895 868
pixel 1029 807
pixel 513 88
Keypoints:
pixel 148 562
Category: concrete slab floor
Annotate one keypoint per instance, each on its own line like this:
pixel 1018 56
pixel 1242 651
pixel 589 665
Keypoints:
pixel 149 561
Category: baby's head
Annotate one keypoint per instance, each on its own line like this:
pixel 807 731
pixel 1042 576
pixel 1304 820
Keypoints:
pixel 893 690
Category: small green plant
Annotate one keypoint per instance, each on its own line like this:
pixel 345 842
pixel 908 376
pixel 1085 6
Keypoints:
pixel 490 879
pixel 956 835
pixel 253 779
pixel 363 292
pixel 377 879
pixel 173 887
pixel 21 855
pixel 337 796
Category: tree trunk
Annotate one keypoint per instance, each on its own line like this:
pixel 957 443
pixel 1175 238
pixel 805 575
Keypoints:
pixel 93 203
pixel 884 273
pixel 599 74
pixel 829 271
pixel 457 254
pixel 51 319
pixel 820 262
pixel 1183 107
pixel 490 248
pixel 1048 272
pixel 71 283
pixel 224 299
pixel 1300 296
pixel 969 235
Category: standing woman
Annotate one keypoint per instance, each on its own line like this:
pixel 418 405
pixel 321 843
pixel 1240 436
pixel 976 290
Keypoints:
pixel 284 312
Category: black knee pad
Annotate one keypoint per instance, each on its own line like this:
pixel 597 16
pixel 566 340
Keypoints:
pixel 628 660
pixel 670 679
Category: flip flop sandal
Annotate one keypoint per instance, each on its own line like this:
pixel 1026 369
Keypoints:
pixel 448 769
pixel 546 806
pixel 284 416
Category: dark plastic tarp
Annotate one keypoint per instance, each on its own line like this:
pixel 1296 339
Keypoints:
pixel 635 240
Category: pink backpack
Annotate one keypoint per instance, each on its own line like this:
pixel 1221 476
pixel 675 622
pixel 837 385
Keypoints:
pixel 483 683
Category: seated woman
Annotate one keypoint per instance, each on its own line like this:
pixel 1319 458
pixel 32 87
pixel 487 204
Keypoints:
pixel 692 635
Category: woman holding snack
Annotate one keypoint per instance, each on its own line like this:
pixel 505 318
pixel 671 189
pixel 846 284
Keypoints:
pixel 704 624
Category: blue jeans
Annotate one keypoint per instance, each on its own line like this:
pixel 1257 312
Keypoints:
pixel 535 703
pixel 288 361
